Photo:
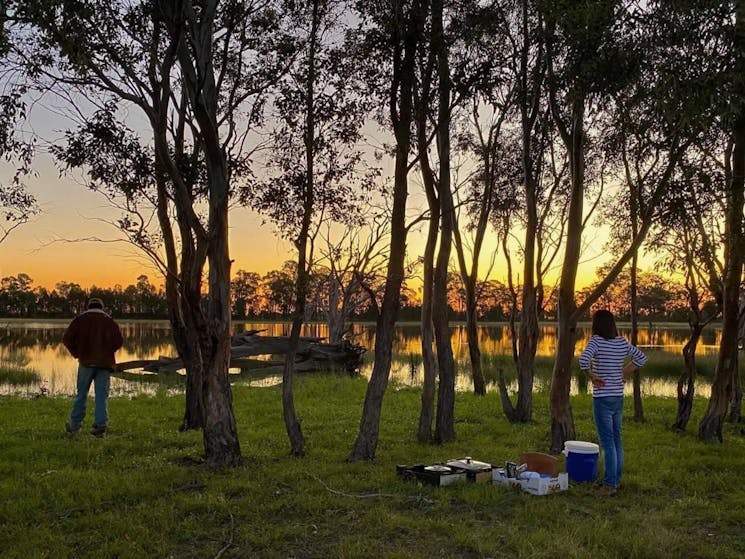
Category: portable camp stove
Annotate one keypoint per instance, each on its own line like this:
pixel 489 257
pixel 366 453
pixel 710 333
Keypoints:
pixel 447 473
pixel 475 470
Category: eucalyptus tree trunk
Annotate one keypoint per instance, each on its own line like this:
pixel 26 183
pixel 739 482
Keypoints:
pixel 176 281
pixel 183 273
pixel 686 389
pixel 525 337
pixel 191 333
pixel 472 338
pixel 188 342
pixel 220 434
pixel 722 388
pixel 470 279
pixel 367 439
pixel 191 328
pixel 196 57
pixel 634 198
pixel 636 378
pixel 562 422
pixel 188 351
pixel 335 320
pixel 687 381
pixel 184 338
pixel 710 427
pixel 528 330
pixel 735 410
pixel 402 84
pixel 527 347
pixel 429 359
pixel 445 420
pixel 292 425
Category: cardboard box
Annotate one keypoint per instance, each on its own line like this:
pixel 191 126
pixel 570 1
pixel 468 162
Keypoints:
pixel 534 486
pixel 499 477
pixel 546 485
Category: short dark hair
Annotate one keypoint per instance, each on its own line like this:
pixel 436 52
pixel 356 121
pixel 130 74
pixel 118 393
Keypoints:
pixel 604 324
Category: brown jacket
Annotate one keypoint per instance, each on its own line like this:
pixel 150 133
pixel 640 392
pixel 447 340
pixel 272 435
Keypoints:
pixel 92 338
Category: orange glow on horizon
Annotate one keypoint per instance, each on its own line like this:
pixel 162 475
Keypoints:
pixel 38 251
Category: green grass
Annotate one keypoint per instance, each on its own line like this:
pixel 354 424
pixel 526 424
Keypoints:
pixel 142 490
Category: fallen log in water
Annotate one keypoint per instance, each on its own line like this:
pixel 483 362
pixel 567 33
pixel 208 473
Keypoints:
pixel 312 355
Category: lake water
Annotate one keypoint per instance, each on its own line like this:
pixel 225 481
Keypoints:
pixel 37 345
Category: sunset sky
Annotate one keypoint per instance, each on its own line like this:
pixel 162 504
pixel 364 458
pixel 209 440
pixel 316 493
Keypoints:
pixel 69 211
pixel 42 249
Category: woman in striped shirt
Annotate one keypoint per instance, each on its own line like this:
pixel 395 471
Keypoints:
pixel 605 362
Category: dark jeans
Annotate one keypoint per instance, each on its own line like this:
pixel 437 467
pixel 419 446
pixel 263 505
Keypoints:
pixel 100 379
pixel 608 413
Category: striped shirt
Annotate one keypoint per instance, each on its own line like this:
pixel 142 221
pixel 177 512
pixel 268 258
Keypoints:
pixel 606 359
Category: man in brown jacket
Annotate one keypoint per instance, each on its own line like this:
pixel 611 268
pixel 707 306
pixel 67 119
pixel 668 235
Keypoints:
pixel 92 338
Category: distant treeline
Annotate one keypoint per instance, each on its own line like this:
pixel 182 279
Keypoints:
pixel 270 297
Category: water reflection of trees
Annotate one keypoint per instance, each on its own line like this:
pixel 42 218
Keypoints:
pixel 495 339
pixel 33 341
pixel 21 338
pixel 146 337
pixel 139 338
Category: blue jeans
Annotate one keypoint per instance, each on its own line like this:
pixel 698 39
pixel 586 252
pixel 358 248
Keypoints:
pixel 608 413
pixel 100 379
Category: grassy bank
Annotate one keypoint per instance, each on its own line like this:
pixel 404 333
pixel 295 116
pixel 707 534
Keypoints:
pixel 18 376
pixel 142 490
pixel 15 375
